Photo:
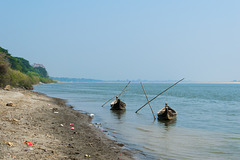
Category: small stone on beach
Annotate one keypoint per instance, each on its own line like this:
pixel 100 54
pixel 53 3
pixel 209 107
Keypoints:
pixel 7 88
pixel 86 155
pixel 10 104
pixel 9 144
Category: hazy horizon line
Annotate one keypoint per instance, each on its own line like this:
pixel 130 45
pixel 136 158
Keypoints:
pixel 72 79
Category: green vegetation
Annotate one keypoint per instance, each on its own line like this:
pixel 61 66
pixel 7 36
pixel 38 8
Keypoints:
pixel 17 72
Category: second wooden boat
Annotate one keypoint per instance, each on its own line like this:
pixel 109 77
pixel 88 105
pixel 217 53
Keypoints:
pixel 166 113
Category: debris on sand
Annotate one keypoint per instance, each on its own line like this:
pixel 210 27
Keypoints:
pixel 87 155
pixel 11 104
pixel 29 143
pixel 9 144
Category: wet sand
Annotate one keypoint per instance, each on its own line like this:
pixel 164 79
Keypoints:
pixel 34 126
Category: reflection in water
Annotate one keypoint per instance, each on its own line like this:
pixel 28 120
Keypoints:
pixel 118 113
pixel 168 122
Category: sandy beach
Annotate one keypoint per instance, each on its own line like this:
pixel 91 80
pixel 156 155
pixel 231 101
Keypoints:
pixel 34 126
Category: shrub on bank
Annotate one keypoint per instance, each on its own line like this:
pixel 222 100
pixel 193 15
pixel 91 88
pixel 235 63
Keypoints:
pixel 18 79
pixel 17 72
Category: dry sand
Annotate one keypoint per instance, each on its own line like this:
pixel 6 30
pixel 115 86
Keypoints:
pixel 45 122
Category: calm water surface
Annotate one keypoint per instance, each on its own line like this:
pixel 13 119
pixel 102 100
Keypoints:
pixel 207 125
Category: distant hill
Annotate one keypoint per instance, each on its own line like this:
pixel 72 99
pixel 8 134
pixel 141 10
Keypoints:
pixel 236 81
pixel 18 72
pixel 75 80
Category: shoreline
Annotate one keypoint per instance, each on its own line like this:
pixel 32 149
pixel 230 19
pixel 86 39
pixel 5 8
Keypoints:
pixel 56 130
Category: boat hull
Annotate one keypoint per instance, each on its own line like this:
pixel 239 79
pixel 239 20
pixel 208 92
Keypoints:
pixel 118 105
pixel 167 113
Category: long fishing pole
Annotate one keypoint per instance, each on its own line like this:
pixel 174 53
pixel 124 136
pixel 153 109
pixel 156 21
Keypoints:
pixel 160 94
pixel 119 94
pixel 124 89
pixel 148 100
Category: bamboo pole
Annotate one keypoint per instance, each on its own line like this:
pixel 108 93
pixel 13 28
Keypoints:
pixel 119 94
pixel 124 89
pixel 108 101
pixel 159 94
pixel 148 100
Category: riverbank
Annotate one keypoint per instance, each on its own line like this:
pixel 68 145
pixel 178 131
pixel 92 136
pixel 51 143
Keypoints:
pixel 34 126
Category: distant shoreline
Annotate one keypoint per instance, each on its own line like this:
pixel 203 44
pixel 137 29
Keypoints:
pixel 85 80
pixel 157 82
pixel 214 82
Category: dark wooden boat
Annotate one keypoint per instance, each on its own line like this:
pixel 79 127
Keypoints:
pixel 167 113
pixel 117 104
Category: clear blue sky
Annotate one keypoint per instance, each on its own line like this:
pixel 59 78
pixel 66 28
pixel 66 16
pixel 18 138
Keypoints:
pixel 126 39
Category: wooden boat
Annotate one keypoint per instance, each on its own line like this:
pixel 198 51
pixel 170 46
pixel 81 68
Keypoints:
pixel 167 113
pixel 117 104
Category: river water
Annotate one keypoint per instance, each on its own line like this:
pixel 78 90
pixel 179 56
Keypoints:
pixel 207 124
